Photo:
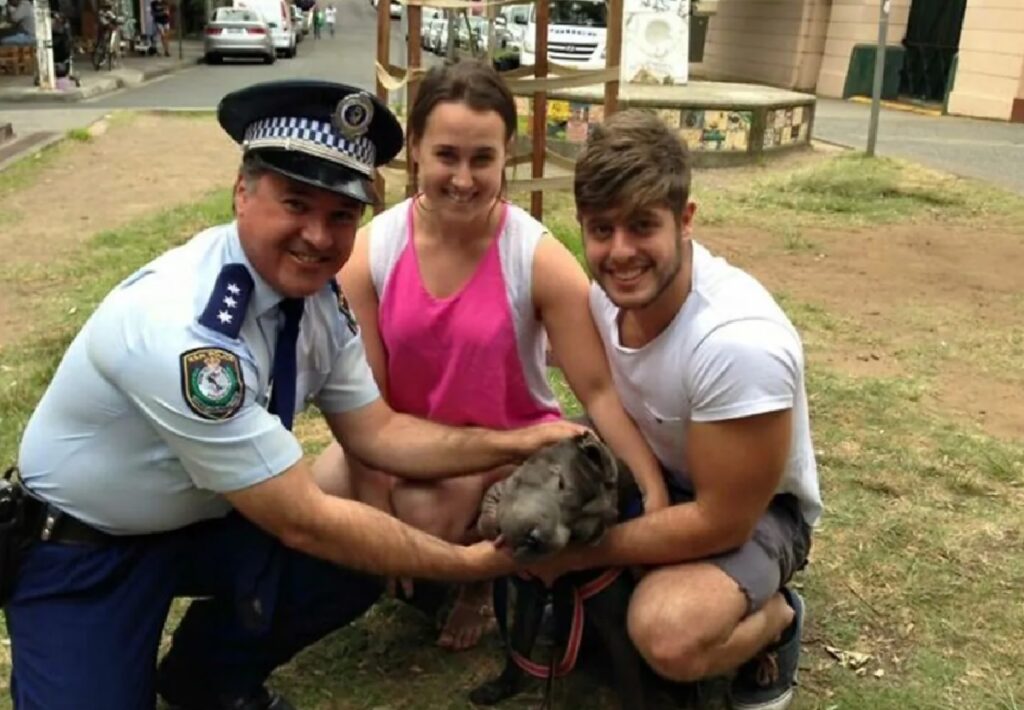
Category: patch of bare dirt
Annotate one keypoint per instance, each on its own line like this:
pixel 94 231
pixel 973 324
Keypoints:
pixel 135 168
pixel 928 294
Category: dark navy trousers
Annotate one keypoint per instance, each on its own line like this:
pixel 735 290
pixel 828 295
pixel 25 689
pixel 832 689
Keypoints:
pixel 85 621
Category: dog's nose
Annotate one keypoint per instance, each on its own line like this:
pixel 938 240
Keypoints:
pixel 534 541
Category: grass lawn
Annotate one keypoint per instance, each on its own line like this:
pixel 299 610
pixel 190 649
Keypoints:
pixel 906 288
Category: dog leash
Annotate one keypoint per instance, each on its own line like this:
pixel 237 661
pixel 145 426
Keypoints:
pixel 563 667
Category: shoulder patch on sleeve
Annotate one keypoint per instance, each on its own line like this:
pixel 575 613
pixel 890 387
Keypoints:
pixel 225 311
pixel 344 309
pixel 211 382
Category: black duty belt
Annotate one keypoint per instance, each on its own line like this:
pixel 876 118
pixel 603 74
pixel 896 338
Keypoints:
pixel 48 523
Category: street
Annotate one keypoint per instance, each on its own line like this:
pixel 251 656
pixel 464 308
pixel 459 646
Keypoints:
pixel 988 150
pixel 970 147
pixel 347 57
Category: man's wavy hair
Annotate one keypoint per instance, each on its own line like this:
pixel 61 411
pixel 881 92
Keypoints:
pixel 632 161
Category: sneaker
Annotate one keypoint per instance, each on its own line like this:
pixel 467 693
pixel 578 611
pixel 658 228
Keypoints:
pixel 768 680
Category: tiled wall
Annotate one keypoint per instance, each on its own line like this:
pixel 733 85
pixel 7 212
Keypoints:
pixel 719 131
pixel 786 126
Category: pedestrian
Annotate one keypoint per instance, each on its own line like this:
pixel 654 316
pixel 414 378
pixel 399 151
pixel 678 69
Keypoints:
pixel 161 23
pixel 458 265
pixel 331 16
pixel 22 30
pixel 318 21
pixel 712 371
pixel 160 461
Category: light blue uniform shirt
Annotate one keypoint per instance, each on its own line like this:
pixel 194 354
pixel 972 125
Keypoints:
pixel 114 441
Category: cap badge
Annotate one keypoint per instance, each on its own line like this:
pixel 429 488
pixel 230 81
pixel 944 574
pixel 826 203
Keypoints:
pixel 353 116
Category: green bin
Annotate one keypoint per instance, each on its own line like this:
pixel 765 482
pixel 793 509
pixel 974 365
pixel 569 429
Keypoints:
pixel 860 77
pixel 698 36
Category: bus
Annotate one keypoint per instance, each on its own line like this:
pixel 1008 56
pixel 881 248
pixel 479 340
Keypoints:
pixel 576 33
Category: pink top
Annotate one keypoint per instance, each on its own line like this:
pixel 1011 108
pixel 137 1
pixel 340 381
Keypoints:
pixel 456 360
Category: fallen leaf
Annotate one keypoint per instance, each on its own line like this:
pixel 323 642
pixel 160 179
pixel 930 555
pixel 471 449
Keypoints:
pixel 854 660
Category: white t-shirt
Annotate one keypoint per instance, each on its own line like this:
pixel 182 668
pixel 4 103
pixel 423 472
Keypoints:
pixel 729 353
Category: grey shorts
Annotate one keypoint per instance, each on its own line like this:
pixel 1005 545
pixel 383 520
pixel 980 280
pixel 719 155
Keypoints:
pixel 777 550
pixel 764 564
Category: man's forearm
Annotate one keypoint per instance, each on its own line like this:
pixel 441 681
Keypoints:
pixel 676 534
pixel 361 537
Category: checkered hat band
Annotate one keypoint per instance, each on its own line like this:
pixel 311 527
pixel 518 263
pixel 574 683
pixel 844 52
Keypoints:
pixel 317 138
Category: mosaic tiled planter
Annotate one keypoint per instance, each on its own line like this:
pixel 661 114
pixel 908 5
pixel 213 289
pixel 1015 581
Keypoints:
pixel 722 123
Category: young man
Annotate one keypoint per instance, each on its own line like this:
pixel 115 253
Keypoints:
pixel 160 462
pixel 712 371
pixel 161 23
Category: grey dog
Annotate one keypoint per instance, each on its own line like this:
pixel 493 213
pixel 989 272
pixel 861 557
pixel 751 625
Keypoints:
pixel 569 492
pixel 566 492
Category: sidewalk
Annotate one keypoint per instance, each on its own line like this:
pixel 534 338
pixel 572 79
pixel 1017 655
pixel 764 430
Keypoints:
pixel 988 150
pixel 133 70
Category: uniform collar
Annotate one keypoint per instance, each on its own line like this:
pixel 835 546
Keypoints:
pixel 264 297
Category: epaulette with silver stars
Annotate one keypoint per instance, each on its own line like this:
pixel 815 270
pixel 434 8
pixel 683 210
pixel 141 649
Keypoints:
pixel 225 311
pixel 343 308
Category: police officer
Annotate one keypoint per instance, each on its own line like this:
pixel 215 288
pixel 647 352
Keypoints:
pixel 160 461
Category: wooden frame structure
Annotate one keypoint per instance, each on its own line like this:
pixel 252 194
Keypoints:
pixel 534 81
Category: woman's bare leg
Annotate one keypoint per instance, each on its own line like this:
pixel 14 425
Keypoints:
pixel 448 509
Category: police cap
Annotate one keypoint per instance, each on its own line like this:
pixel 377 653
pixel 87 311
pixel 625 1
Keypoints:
pixel 322 133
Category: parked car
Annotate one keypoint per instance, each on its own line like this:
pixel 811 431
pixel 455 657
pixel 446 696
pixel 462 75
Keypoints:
pixel 516 17
pixel 475 28
pixel 299 23
pixel 234 32
pixel 439 37
pixel 430 16
pixel 279 20
pixel 462 38
pixel 395 10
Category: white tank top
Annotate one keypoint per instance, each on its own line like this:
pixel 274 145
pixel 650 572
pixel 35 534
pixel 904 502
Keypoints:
pixel 517 244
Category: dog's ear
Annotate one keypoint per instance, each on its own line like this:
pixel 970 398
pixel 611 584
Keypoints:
pixel 587 529
pixel 602 469
pixel 487 523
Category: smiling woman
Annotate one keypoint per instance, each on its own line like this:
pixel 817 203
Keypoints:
pixel 457 293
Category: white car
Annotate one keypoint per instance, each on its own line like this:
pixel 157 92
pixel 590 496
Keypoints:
pixel 395 10
pixel 279 18
pixel 234 32
pixel 517 17
pixel 430 18
pixel 440 36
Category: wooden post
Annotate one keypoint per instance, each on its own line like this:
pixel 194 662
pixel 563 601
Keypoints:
pixel 613 55
pixel 540 107
pixel 492 35
pixel 414 14
pixel 384 58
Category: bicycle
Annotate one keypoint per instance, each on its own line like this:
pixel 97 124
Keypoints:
pixel 108 44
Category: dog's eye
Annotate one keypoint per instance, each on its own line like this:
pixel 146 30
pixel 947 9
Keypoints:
pixel 534 541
